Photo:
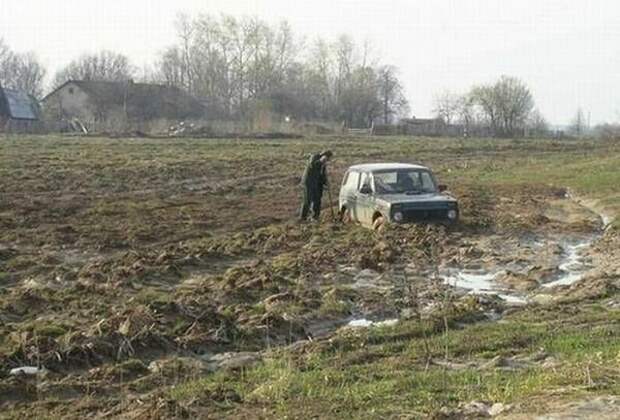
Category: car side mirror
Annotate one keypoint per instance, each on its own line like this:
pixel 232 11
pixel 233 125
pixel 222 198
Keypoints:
pixel 442 188
pixel 366 189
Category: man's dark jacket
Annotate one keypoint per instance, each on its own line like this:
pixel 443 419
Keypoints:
pixel 315 175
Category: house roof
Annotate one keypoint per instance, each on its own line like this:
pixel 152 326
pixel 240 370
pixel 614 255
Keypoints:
pixel 374 167
pixel 18 105
pixel 143 100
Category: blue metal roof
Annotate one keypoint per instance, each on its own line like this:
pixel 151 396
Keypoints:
pixel 21 106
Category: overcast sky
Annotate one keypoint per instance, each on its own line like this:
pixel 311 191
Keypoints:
pixel 567 51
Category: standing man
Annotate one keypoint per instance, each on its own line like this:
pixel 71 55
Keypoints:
pixel 313 182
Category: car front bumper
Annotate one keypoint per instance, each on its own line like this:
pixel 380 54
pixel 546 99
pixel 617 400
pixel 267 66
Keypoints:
pixel 412 215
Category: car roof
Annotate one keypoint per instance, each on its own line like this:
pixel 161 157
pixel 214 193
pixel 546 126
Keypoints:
pixel 374 167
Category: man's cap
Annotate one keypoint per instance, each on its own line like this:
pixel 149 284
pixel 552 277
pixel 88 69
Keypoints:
pixel 327 153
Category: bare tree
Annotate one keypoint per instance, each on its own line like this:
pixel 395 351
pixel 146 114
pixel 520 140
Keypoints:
pixel 578 124
pixel 391 94
pixel 507 104
pixel 537 124
pixel 21 71
pixel 243 65
pixel 185 31
pixel 515 103
pixel 484 97
pixel 103 66
pixel 344 58
pixel 30 74
pixel 6 57
pixel 466 112
pixel 356 87
pixel 446 106
pixel 319 79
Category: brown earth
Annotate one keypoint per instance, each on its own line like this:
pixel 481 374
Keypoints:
pixel 120 293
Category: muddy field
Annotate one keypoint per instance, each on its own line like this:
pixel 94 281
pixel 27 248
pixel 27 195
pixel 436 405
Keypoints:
pixel 145 278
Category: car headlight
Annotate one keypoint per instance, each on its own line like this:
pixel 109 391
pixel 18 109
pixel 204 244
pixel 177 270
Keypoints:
pixel 398 216
pixel 452 214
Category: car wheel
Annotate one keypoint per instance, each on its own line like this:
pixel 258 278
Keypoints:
pixel 379 224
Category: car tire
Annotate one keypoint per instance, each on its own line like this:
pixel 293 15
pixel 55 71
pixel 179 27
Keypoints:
pixel 345 216
pixel 379 224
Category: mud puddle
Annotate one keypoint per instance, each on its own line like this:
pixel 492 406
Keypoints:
pixel 574 265
pixel 364 323
pixel 482 283
pixel 325 328
pixel 570 264
pixel 537 263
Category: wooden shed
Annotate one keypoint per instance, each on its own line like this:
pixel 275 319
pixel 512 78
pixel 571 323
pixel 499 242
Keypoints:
pixel 19 112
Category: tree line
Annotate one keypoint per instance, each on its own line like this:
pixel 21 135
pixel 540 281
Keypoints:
pixel 505 107
pixel 239 65
pixel 21 71
pixel 243 65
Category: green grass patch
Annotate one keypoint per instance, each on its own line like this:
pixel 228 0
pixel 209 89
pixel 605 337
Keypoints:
pixel 386 371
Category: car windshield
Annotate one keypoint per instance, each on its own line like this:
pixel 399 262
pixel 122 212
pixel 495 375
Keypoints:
pixel 403 181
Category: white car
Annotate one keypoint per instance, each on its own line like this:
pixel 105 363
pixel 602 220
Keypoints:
pixel 377 193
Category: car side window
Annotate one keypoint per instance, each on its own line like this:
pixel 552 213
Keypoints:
pixel 364 180
pixel 351 181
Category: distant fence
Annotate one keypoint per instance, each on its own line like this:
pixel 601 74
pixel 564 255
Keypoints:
pixel 360 131
pixel 431 129
pixel 12 126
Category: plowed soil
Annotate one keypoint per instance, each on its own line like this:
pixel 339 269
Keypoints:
pixel 129 266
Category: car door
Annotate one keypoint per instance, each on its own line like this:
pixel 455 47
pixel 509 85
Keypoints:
pixel 364 202
pixel 348 192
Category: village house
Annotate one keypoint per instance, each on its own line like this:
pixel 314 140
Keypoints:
pixel 98 105
pixel 19 112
